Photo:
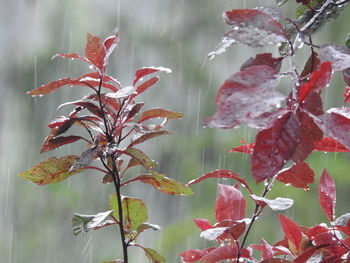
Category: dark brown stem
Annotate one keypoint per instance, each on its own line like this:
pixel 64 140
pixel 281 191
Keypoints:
pixel 114 173
pixel 116 181
pixel 255 216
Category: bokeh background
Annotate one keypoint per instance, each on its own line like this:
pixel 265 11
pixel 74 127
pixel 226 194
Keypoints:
pixel 35 222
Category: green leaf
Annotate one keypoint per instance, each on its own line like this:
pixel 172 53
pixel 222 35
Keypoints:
pixel 145 226
pixel 52 170
pixel 85 223
pixel 164 184
pixel 159 113
pixel 134 211
pixel 138 157
pixel 153 255
pixel 148 136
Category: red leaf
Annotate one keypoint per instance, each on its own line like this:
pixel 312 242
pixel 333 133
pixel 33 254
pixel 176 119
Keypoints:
pixel 144 86
pixel 313 104
pixel 221 174
pixel 230 203
pixel 298 175
pixel 51 87
pixel 328 144
pixel 202 224
pixel 337 125
pixel 159 113
pixel 318 81
pixel 193 255
pixel 245 98
pixel 274 146
pixel 326 195
pixel 110 44
pixel 70 56
pixel 245 148
pixel 95 51
pixel 251 27
pixel 291 230
pixel 140 73
pixel 310 133
pixel 267 251
pixel 264 59
pixel 147 136
pixel 220 253
pixel 58 142
pixel 311 65
pixel 234 230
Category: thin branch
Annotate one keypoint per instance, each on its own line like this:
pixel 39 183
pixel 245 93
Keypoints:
pixel 255 215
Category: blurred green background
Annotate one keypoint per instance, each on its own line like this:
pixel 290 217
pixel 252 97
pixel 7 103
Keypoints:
pixel 35 222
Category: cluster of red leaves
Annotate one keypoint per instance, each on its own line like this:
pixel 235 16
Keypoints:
pixel 290 127
pixel 319 243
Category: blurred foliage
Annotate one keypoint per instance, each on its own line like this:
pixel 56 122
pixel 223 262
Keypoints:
pixel 35 221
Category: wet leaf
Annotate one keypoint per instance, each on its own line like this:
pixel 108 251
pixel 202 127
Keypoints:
pixel 318 80
pixel 134 110
pixel 58 142
pixel 311 65
pixel 164 184
pixel 251 27
pixel 70 56
pixel 328 144
pixel 264 59
pixel 144 86
pixel 134 211
pixel 193 255
pixel 274 146
pixel 230 203
pixel 267 251
pixel 202 224
pixel 85 223
pixel 147 136
pixel 326 195
pixel 95 51
pixel 337 54
pixel 139 157
pixel 246 97
pixel 278 204
pixel 110 44
pixel 244 148
pixel 145 226
pixel 153 255
pixel 85 158
pixel 309 134
pixel 291 230
pixel 140 73
pixel 221 174
pixel 51 87
pixel 52 170
pixel 220 253
pixel 298 175
pixel 336 124
pixel 159 113
pixel 212 234
pixel 122 93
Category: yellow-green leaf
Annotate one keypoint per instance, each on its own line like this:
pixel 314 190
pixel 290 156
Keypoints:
pixel 52 170
pixel 164 184
pixel 153 255
pixel 134 211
